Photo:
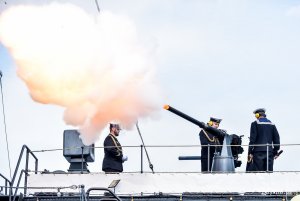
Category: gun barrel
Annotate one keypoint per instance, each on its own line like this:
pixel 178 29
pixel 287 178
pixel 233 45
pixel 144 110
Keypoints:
pixel 181 114
pixel 189 158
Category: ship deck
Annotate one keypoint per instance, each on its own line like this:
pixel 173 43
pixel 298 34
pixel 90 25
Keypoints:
pixel 171 186
pixel 170 183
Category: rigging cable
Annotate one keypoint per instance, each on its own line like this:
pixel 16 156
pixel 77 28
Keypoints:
pixel 98 8
pixel 150 164
pixel 5 124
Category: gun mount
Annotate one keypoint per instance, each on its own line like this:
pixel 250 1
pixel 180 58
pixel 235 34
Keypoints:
pixel 227 160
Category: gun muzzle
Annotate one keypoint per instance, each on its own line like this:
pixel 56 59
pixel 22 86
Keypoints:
pixel 186 117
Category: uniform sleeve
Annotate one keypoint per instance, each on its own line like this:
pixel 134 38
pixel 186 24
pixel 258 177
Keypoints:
pixel 111 149
pixel 216 132
pixel 253 135
pixel 276 139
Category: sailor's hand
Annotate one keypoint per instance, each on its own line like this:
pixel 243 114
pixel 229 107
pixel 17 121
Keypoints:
pixel 124 158
pixel 275 154
pixel 250 158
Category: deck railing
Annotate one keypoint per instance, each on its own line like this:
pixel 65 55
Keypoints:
pixel 138 161
pixel 7 185
pixel 22 171
pixel 164 152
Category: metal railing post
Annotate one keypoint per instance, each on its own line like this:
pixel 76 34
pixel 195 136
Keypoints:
pixel 82 160
pixel 8 186
pixel 6 183
pixel 208 158
pixel 267 157
pixel 141 158
pixel 28 151
pixel 26 170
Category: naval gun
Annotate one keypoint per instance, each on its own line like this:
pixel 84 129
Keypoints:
pixel 227 160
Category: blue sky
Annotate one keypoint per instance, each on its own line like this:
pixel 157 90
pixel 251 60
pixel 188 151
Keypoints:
pixel 213 58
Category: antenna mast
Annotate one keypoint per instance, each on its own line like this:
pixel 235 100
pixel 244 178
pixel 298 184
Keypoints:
pixel 150 164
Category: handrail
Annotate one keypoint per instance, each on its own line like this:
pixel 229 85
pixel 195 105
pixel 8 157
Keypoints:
pixel 28 151
pixel 6 186
pixel 18 184
pixel 236 158
pixel 14 185
pixel 101 189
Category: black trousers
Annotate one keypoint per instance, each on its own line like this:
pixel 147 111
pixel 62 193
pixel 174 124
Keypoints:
pixel 260 161
pixel 204 164
pixel 110 170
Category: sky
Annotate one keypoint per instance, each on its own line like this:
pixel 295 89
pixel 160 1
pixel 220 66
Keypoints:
pixel 205 58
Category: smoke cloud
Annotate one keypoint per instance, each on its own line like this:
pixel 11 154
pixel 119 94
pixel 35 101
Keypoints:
pixel 93 66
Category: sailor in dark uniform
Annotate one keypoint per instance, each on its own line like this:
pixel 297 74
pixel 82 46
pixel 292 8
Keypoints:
pixel 263 132
pixel 210 136
pixel 113 154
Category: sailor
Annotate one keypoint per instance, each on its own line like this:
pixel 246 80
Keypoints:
pixel 263 132
pixel 210 136
pixel 113 154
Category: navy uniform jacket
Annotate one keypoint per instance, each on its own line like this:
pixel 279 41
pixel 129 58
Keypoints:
pixel 263 131
pixel 112 154
pixel 210 136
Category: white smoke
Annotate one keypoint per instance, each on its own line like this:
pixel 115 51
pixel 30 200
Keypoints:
pixel 94 66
